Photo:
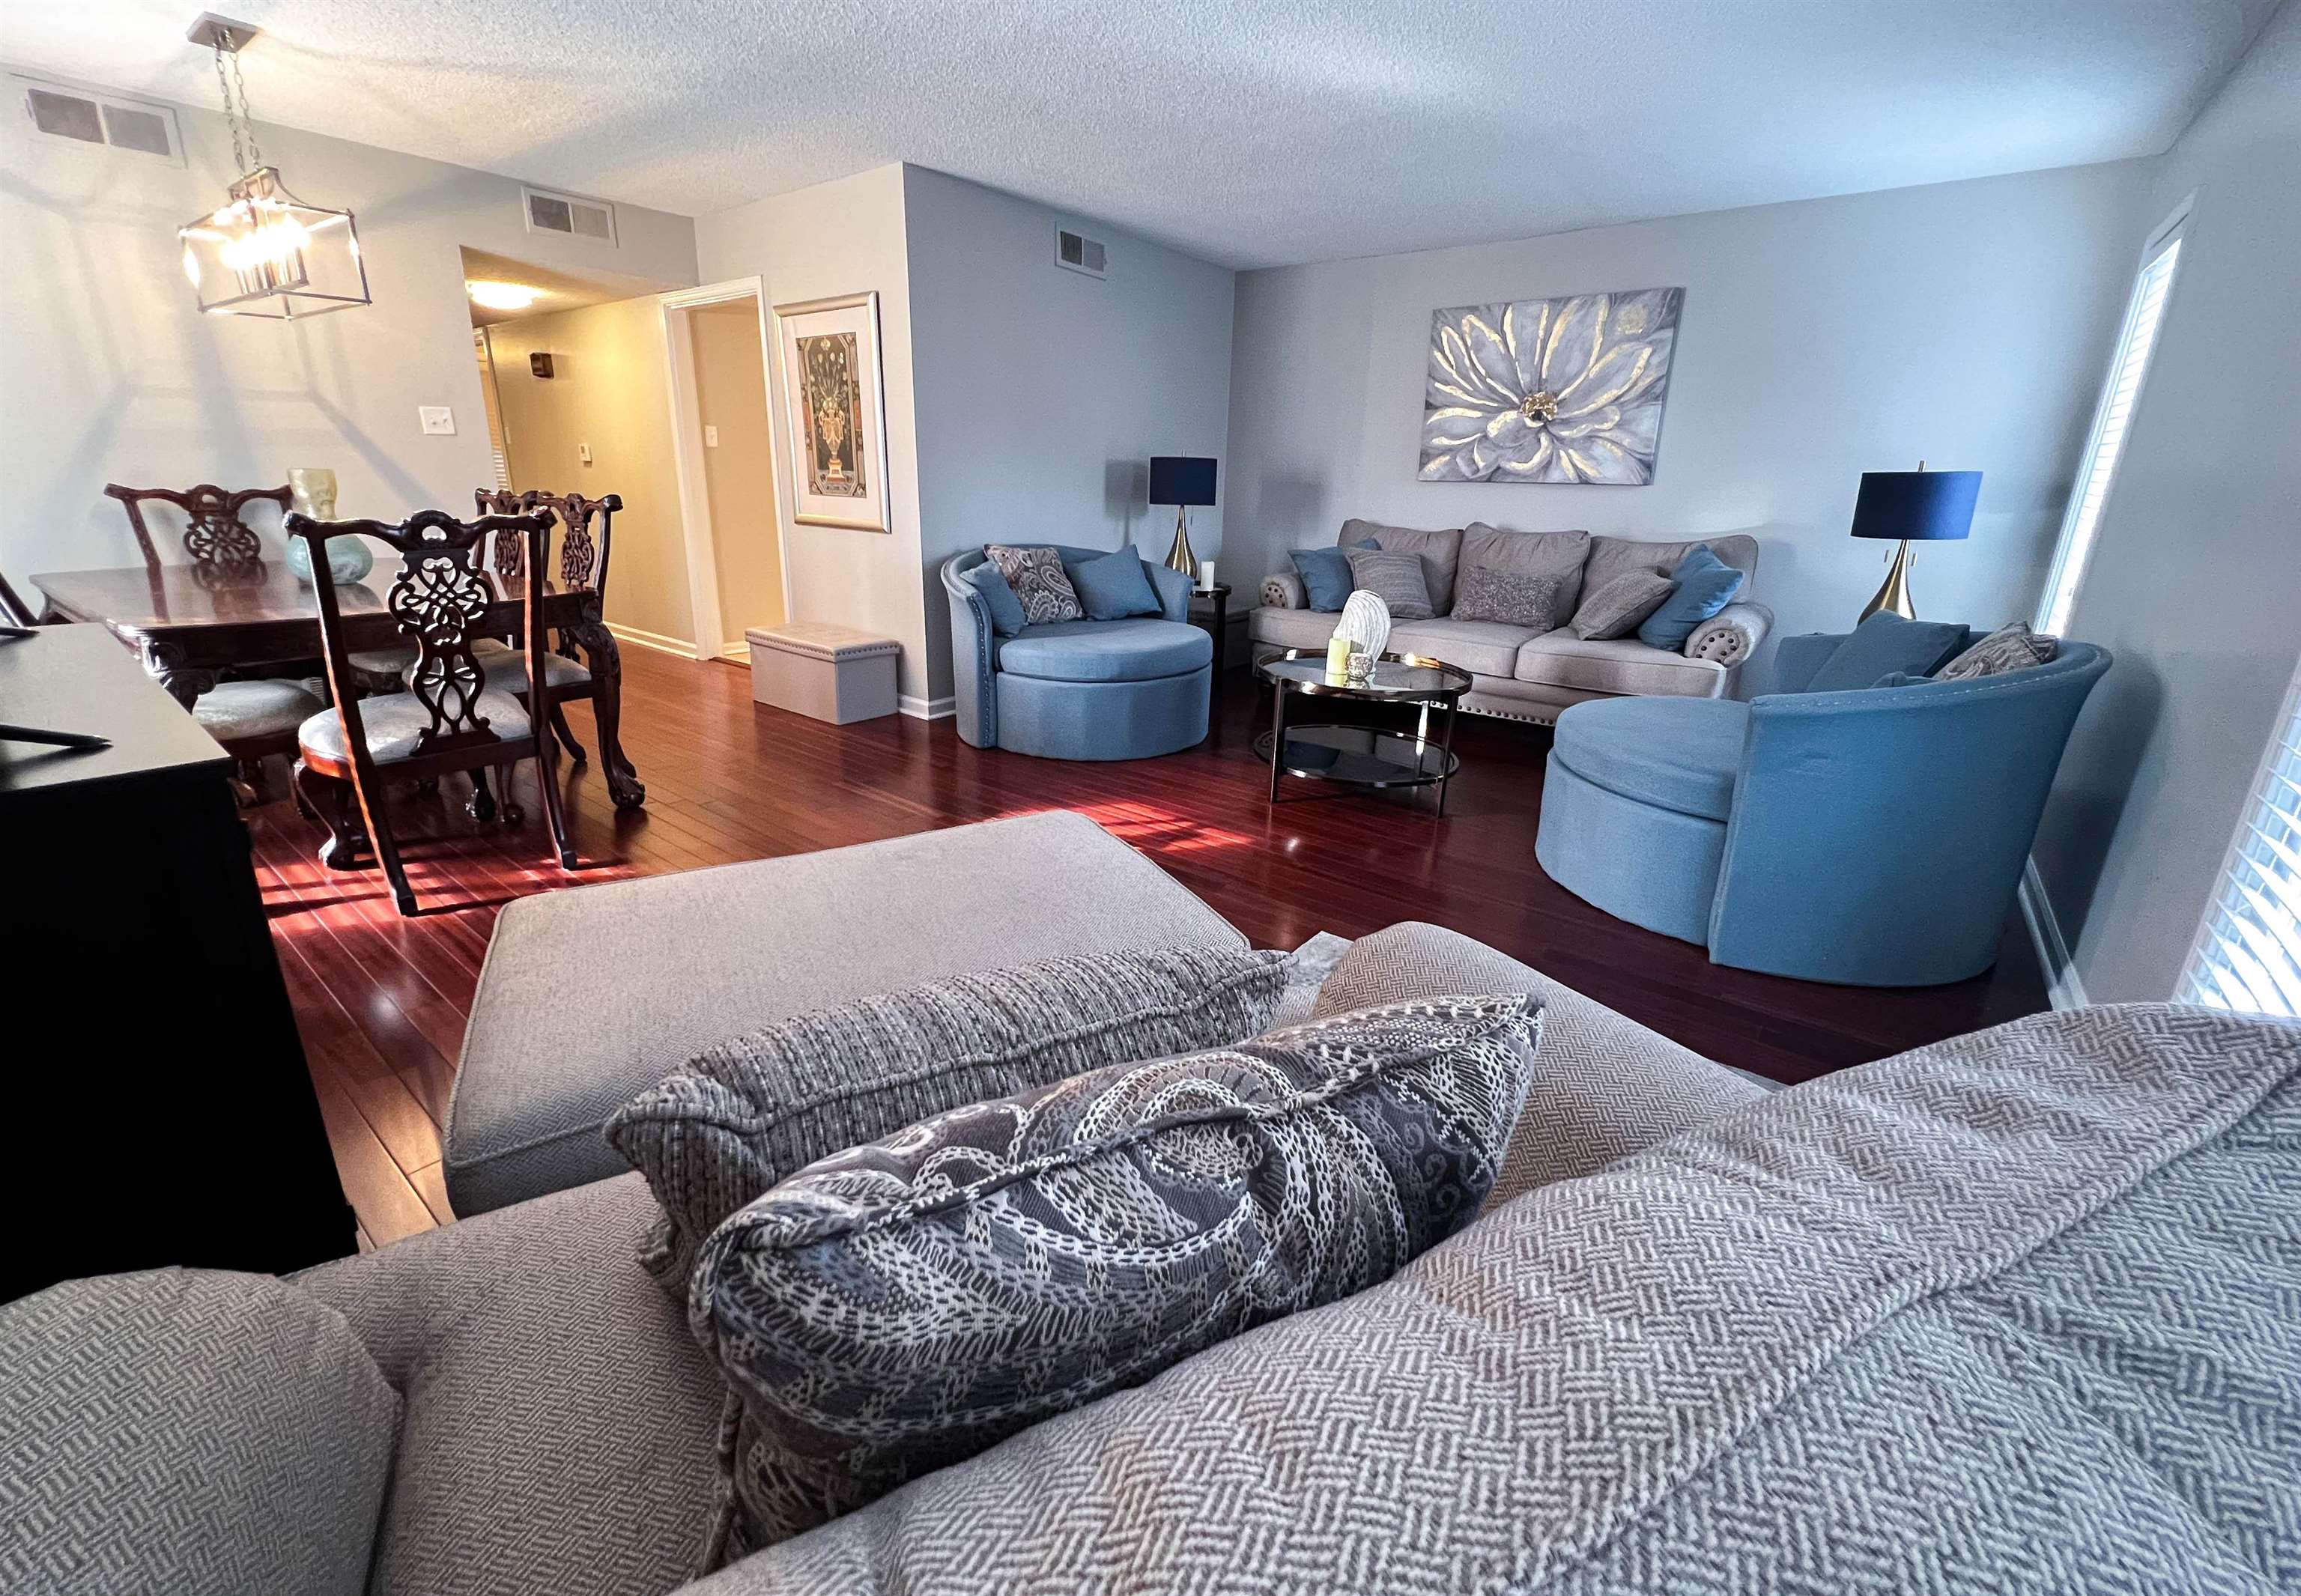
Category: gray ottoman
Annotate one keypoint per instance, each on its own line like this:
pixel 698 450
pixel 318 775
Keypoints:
pixel 592 995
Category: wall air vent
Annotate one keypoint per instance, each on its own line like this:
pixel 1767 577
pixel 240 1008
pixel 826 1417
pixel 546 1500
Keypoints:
pixel 87 117
pixel 549 213
pixel 1076 252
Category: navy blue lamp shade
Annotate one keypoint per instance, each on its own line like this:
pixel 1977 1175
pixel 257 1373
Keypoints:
pixel 1916 506
pixel 1182 479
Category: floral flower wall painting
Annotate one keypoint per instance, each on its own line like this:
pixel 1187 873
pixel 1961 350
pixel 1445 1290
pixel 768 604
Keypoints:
pixel 1549 390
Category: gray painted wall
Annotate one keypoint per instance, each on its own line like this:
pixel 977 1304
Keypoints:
pixel 2195 580
pixel 1040 394
pixel 1965 323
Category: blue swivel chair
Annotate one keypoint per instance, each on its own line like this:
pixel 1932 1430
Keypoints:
pixel 1081 689
pixel 1873 838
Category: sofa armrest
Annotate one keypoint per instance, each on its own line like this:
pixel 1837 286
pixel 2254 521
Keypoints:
pixel 1174 590
pixel 1283 590
pixel 1732 635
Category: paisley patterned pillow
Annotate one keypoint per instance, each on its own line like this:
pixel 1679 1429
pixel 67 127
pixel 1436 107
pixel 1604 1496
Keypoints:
pixel 2012 646
pixel 1039 580
pixel 909 1302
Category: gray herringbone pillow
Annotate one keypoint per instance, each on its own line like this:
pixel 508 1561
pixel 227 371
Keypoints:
pixel 1511 598
pixel 2012 646
pixel 907 1303
pixel 1041 583
pixel 744 1115
pixel 1397 579
pixel 1617 609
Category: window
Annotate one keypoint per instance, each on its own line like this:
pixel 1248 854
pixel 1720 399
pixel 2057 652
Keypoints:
pixel 2248 951
pixel 2128 367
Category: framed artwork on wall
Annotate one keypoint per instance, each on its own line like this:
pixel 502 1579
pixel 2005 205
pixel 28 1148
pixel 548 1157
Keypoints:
pixel 1549 390
pixel 837 407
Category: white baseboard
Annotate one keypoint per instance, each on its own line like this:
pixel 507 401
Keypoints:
pixel 653 639
pixel 928 709
pixel 739 652
pixel 2064 988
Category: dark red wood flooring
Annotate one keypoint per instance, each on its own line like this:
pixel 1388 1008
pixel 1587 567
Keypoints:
pixel 382 1000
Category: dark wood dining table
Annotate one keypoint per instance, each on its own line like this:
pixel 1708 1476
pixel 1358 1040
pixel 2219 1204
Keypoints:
pixel 188 623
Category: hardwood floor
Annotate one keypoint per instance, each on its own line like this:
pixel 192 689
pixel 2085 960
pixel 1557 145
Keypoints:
pixel 382 1000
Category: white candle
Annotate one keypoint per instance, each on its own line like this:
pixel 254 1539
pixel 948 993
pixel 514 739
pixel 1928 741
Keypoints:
pixel 1205 576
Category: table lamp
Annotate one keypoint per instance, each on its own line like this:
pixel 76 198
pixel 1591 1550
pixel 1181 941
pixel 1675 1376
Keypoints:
pixel 1912 507
pixel 1182 480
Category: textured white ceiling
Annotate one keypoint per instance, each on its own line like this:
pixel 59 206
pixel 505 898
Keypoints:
pixel 1252 134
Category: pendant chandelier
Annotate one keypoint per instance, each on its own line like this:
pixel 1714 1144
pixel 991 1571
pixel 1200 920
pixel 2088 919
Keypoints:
pixel 265 253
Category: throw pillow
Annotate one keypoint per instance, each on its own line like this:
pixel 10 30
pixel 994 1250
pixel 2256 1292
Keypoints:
pixel 1114 586
pixel 1615 609
pixel 1706 584
pixel 1530 554
pixel 1007 617
pixel 1325 575
pixel 1441 551
pixel 1398 580
pixel 1883 643
pixel 2012 646
pixel 1037 576
pixel 908 1303
pixel 751 1111
pixel 1484 593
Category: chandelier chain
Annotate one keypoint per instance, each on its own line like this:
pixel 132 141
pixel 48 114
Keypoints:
pixel 246 152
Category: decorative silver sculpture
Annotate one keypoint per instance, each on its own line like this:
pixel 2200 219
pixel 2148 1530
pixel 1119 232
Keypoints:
pixel 1549 390
pixel 1365 625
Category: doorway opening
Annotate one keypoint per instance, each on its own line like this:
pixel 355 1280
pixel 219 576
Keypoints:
pixel 721 412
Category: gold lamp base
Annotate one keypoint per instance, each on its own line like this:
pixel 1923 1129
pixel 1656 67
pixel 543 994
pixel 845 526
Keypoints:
pixel 1180 557
pixel 1894 596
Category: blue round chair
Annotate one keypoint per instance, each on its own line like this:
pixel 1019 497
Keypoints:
pixel 1130 688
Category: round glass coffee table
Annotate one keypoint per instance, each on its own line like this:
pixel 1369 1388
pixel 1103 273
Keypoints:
pixel 1362 755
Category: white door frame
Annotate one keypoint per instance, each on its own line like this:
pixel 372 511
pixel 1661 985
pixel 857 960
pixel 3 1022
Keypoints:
pixel 687 452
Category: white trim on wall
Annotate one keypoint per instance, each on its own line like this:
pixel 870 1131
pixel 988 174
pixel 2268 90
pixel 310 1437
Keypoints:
pixel 687 456
pixel 927 710
pixel 2063 989
pixel 653 639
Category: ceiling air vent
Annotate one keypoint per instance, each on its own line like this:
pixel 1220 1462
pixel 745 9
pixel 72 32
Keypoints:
pixel 86 117
pixel 549 213
pixel 1076 252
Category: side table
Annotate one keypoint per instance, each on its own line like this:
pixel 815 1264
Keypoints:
pixel 1210 609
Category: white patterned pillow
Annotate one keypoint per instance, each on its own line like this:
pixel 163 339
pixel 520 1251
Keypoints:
pixel 1039 582
pixel 2012 646
pixel 909 1302
pixel 1397 579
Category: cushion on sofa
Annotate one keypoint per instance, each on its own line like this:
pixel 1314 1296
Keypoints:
pixel 1007 616
pixel 1113 586
pixel 1537 602
pixel 1035 572
pixel 1681 753
pixel 552 1049
pixel 2011 1313
pixel 2012 646
pixel 1883 644
pixel 1487 647
pixel 1562 555
pixel 902 1306
pixel 1292 629
pixel 1611 557
pixel 1618 605
pixel 561 1425
pixel 1616 665
pixel 757 1109
pixel 1325 573
pixel 1138 649
pixel 1401 581
pixel 1701 585
pixel 187 1430
pixel 1441 551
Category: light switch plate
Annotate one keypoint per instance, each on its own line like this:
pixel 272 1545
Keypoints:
pixel 583 453
pixel 437 419
pixel 710 437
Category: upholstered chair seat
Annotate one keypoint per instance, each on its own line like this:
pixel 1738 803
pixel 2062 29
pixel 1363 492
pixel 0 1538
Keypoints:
pixel 396 721
pixel 1137 649
pixel 394 661
pixel 231 711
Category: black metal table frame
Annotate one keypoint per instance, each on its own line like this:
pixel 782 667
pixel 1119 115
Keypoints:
pixel 1451 700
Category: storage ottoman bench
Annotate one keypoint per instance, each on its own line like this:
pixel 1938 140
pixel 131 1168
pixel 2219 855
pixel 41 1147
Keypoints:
pixel 833 673
pixel 592 995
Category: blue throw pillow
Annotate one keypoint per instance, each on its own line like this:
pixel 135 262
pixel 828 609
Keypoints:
pixel 1706 584
pixel 1113 586
pixel 1884 644
pixel 1005 610
pixel 1327 581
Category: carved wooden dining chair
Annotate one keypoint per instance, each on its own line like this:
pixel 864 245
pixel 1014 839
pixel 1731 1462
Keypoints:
pixel 448 718
pixel 215 526
pixel 582 562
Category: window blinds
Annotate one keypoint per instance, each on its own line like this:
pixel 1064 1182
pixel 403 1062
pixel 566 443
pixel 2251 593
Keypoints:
pixel 2248 951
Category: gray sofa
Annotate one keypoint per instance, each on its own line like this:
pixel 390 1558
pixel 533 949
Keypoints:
pixel 2013 1312
pixel 1520 674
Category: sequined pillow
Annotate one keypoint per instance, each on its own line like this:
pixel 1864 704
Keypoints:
pixel 908 1303
pixel 1039 582
pixel 2012 646
pixel 1512 597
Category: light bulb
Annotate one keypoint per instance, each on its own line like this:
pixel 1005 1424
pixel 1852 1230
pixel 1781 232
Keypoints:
pixel 500 296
